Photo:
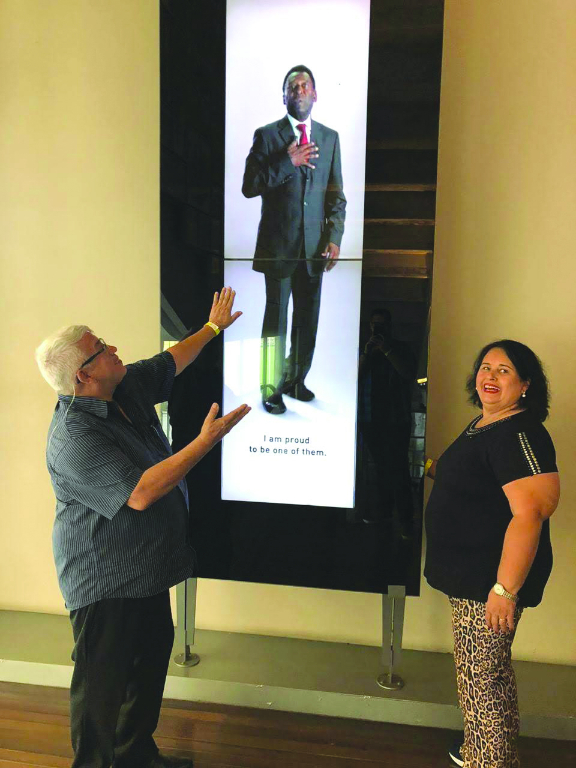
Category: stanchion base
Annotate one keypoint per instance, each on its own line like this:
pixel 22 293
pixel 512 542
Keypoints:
pixel 187 659
pixel 390 682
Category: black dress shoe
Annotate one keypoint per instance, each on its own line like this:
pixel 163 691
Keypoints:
pixel 300 392
pixel 163 761
pixel 274 404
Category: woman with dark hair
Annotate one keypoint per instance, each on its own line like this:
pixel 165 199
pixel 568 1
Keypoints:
pixel 488 540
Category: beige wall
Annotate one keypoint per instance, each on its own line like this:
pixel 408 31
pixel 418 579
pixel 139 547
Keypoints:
pixel 79 221
pixel 504 260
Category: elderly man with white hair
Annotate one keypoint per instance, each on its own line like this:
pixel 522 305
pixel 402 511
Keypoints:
pixel 120 535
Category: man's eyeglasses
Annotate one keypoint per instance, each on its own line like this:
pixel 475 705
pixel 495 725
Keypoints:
pixel 95 355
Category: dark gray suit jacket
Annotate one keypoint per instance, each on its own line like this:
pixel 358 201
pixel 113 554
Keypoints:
pixel 301 207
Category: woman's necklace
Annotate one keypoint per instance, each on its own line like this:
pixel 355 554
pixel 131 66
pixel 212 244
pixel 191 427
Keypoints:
pixel 485 420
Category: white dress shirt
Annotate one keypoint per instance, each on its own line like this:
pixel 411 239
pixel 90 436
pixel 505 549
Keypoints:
pixel 307 123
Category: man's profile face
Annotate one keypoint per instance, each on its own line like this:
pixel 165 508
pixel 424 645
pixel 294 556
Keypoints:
pixel 107 366
pixel 299 95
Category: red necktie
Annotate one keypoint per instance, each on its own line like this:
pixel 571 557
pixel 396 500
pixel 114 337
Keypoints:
pixel 303 136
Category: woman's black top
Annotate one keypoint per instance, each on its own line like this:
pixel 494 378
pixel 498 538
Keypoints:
pixel 468 512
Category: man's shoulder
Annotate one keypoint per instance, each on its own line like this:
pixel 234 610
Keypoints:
pixel 71 434
pixel 77 423
pixel 139 371
pixel 280 125
pixel 275 126
pixel 148 381
pixel 320 127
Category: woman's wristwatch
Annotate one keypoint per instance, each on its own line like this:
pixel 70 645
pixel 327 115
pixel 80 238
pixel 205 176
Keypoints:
pixel 500 590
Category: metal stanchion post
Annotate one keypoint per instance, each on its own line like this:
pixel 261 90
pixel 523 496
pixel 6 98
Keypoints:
pixel 186 623
pixel 393 605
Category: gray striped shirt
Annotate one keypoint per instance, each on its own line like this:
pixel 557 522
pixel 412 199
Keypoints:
pixel 103 548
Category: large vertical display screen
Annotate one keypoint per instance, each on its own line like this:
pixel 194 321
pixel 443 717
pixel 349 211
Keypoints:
pixel 296 93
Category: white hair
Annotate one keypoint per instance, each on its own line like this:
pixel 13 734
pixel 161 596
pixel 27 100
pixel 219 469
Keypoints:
pixel 59 357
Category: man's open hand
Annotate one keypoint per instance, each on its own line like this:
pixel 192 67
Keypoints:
pixel 221 312
pixel 213 429
pixel 302 154
pixel 331 253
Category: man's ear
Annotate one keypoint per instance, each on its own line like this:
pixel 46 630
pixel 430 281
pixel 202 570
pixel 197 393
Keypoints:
pixel 82 377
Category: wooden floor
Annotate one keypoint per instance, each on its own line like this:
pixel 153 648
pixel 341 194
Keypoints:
pixel 34 733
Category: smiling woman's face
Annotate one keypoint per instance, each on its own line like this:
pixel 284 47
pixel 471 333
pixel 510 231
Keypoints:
pixel 498 384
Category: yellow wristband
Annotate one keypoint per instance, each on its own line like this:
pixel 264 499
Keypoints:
pixel 427 466
pixel 213 326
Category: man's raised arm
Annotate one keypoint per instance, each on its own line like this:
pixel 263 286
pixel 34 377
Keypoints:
pixel 220 316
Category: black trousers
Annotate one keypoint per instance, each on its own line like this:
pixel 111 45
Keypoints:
pixel 121 654
pixel 278 371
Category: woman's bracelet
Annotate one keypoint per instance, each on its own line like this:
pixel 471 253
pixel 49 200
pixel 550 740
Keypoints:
pixel 213 326
pixel 427 466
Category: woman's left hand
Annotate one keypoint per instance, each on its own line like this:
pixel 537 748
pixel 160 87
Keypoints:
pixel 221 312
pixel 500 613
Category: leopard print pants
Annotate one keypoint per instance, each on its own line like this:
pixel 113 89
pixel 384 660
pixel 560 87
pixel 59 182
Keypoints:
pixel 486 688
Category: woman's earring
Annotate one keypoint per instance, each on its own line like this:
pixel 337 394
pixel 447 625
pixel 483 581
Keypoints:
pixel 523 394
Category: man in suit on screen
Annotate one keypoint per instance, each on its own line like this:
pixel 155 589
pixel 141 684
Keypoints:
pixel 294 166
